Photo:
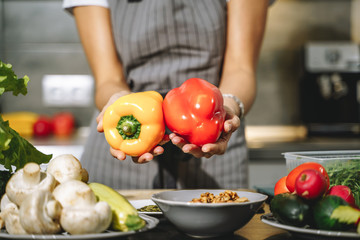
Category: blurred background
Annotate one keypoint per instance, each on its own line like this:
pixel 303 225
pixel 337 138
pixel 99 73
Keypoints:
pixel 308 78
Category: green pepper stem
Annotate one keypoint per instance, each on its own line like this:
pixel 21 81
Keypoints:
pixel 129 127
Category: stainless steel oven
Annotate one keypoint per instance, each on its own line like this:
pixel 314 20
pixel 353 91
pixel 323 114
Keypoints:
pixel 330 88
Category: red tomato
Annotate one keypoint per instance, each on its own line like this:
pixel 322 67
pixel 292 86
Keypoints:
pixel 280 186
pixel 43 126
pixel 291 178
pixel 64 123
pixel 310 184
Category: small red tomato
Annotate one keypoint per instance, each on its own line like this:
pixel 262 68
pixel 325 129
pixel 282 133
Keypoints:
pixel 43 126
pixel 310 184
pixel 291 178
pixel 280 186
pixel 344 192
pixel 64 124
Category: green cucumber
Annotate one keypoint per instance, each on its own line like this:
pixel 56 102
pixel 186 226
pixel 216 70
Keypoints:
pixel 322 211
pixel 290 209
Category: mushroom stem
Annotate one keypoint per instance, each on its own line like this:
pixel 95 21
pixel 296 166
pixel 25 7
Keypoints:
pixel 4 201
pixel 11 218
pixel 53 209
pixel 34 212
pixel 31 174
pixel 27 180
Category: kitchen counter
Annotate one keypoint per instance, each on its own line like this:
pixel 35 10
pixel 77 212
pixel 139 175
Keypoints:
pixel 255 229
pixel 269 142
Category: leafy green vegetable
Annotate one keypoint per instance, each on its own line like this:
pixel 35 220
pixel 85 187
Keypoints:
pixel 9 82
pixel 15 151
pixel 347 174
pixel 4 178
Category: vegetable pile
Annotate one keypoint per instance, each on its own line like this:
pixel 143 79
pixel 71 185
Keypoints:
pixel 30 124
pixel 60 200
pixel 348 176
pixel 305 198
pixel 56 200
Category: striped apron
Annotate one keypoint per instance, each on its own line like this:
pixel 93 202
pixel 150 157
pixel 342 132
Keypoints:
pixel 162 43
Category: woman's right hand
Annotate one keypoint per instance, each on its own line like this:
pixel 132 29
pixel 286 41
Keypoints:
pixel 120 155
pixel 113 98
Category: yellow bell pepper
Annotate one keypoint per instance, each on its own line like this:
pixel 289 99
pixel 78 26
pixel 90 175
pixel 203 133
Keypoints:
pixel 134 123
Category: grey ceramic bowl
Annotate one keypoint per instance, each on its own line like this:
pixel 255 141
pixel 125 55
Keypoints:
pixel 204 220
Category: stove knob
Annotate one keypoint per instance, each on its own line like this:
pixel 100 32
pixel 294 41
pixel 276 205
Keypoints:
pixel 332 56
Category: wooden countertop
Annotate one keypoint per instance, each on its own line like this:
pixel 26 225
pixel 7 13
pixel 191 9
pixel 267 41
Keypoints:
pixel 255 229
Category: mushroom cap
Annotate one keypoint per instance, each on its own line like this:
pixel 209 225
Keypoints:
pixel 27 180
pixel 40 213
pixel 86 219
pixel 65 167
pixel 74 193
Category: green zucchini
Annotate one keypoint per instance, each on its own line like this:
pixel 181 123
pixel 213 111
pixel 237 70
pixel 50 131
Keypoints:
pixel 290 209
pixel 323 210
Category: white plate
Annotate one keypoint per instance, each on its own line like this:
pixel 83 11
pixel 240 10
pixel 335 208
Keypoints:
pixel 308 232
pixel 143 203
pixel 151 223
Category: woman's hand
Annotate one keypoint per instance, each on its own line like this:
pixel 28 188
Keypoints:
pixel 144 158
pixel 113 98
pixel 232 123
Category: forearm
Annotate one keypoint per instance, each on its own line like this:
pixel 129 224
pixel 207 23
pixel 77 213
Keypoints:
pixel 241 84
pixel 246 25
pixel 95 31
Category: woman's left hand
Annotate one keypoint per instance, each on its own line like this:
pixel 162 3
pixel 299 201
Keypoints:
pixel 231 124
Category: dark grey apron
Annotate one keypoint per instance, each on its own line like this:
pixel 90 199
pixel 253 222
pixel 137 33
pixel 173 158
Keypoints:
pixel 162 43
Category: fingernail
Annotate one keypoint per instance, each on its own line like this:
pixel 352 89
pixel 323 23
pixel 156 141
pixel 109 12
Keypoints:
pixel 205 149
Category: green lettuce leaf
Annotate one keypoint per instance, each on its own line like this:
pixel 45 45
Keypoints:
pixel 9 82
pixel 16 151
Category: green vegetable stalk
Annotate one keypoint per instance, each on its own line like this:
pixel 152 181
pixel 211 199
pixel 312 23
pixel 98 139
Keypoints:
pixel 15 151
pixel 347 174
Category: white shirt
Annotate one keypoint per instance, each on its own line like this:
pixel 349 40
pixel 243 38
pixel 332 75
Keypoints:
pixel 69 4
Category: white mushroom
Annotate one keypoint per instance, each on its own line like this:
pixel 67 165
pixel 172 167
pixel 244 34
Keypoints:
pixel 27 180
pixel 81 213
pixel 40 213
pixel 86 219
pixel 74 193
pixel 11 219
pixel 4 201
pixel 67 167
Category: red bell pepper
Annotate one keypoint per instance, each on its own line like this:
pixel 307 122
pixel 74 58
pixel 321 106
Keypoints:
pixel 195 111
